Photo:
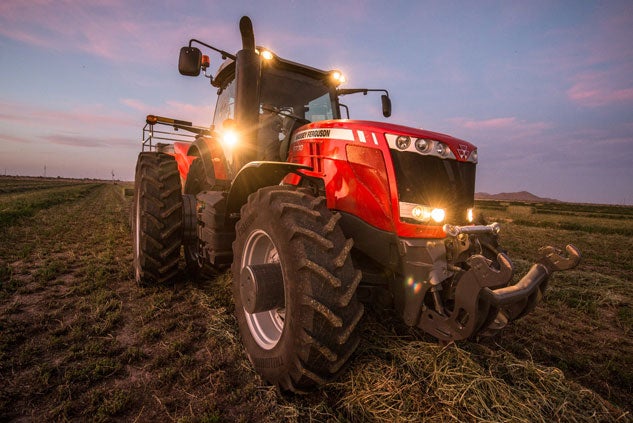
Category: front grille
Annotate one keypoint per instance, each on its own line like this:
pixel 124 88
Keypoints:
pixel 435 182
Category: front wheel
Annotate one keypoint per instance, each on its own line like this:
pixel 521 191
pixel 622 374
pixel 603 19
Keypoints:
pixel 294 287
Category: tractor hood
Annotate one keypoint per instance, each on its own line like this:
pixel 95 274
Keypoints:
pixel 398 137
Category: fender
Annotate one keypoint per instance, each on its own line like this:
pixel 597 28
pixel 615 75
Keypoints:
pixel 216 169
pixel 180 153
pixel 256 175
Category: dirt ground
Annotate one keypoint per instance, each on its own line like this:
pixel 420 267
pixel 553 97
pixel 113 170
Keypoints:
pixel 79 340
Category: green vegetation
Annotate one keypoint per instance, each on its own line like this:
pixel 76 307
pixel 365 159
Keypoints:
pixel 584 326
pixel 23 198
pixel 79 340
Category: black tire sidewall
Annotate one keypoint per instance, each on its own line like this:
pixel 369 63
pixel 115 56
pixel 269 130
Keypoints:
pixel 270 363
pixel 321 309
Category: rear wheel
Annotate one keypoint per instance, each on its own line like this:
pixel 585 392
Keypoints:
pixel 157 223
pixel 294 287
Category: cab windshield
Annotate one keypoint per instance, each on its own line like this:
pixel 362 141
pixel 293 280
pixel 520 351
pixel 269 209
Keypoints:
pixel 296 94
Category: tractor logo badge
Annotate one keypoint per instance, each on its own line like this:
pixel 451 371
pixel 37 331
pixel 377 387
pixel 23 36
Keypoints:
pixel 463 152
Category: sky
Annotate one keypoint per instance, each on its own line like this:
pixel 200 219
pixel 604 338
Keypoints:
pixel 544 89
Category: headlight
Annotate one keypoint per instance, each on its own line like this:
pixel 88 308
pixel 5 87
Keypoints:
pixel 442 149
pixel 438 215
pixel 470 215
pixel 403 142
pixel 422 145
pixel 421 213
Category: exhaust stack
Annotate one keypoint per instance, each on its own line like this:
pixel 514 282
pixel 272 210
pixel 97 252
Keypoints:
pixel 247 77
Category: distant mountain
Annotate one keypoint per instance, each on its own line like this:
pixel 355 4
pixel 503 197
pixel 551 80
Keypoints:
pixel 515 196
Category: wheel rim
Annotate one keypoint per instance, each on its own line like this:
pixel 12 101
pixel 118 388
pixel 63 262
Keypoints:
pixel 265 327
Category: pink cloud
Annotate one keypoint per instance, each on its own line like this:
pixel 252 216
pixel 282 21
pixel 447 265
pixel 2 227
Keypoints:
pixel 116 30
pixel 600 88
pixel 198 114
pixel 508 127
pixel 494 123
pixel 14 112
pixel 135 104
pixel 11 138
pixel 195 113
pixel 88 141
pixel 500 131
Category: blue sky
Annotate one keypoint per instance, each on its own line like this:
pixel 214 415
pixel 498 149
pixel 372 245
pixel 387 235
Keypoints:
pixel 543 88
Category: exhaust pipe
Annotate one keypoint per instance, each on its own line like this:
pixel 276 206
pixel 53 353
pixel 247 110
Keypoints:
pixel 248 35
pixel 247 77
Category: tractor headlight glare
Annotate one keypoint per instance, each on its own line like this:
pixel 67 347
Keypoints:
pixel 438 215
pixel 422 214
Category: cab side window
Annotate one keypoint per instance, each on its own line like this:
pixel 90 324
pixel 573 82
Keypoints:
pixel 225 106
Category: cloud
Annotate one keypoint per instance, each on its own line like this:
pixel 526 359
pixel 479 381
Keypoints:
pixel 17 139
pixel 510 128
pixel 135 104
pixel 17 112
pixel 196 113
pixel 88 141
pixel 601 88
pixel 73 140
pixel 116 30
pixel 494 123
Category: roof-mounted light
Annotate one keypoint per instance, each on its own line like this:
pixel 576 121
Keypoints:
pixel 337 76
pixel 267 54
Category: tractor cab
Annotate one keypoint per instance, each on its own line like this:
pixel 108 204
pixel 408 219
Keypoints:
pixel 284 95
pixel 290 95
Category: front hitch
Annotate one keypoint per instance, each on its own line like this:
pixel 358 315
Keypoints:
pixel 482 299
pixel 520 299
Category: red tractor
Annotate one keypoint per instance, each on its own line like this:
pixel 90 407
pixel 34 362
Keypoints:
pixel 317 215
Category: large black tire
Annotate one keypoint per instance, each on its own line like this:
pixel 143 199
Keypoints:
pixel 157 223
pixel 306 342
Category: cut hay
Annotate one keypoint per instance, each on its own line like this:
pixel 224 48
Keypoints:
pixel 412 380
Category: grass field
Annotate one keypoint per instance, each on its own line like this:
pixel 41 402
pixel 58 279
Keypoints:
pixel 79 340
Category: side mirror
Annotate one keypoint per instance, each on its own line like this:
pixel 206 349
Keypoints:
pixel 386 105
pixel 190 61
